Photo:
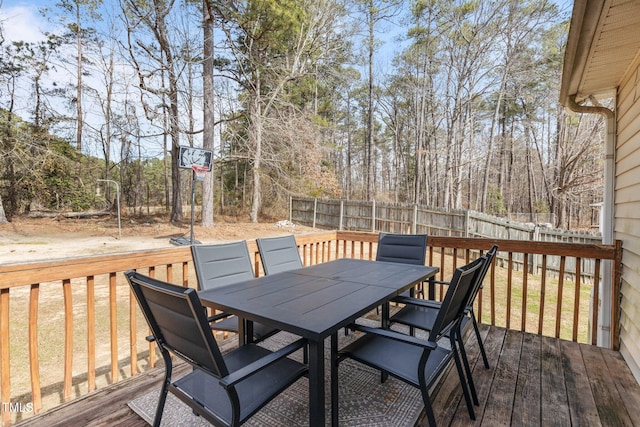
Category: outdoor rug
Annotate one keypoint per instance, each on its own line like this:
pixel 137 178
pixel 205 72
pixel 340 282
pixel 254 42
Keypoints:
pixel 363 400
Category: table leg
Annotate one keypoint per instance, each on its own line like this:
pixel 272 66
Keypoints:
pixel 248 331
pixel 384 321
pixel 242 331
pixel 432 289
pixel 316 383
pixel 334 379
pixel 384 324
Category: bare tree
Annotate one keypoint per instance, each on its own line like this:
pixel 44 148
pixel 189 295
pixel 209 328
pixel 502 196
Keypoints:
pixel 153 16
pixel 273 44
pixel 76 16
pixel 208 108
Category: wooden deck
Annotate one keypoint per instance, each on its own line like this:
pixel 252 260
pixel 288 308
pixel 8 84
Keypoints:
pixel 533 380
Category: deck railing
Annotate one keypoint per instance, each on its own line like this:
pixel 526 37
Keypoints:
pixel 70 326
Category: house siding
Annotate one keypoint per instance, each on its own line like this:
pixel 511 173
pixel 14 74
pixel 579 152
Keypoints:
pixel 627 214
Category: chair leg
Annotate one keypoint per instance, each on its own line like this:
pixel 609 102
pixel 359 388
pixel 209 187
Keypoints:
pixel 463 382
pixel 431 417
pixel 479 338
pixel 164 390
pixel 467 368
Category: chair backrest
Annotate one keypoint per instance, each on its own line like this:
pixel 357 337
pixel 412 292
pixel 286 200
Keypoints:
pixel 177 322
pixel 456 299
pixel 404 248
pixel 489 256
pixel 279 254
pixel 221 265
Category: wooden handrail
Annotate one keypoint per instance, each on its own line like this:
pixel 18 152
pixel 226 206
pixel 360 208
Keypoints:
pixel 508 298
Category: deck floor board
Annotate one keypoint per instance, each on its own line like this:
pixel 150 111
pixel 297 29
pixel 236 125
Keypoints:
pixel 532 381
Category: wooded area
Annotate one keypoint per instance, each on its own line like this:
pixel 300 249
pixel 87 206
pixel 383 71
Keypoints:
pixel 451 104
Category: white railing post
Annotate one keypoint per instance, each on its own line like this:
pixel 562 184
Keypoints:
pixel 341 214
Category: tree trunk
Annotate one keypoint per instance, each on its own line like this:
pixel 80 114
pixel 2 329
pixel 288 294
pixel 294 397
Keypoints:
pixel 349 146
pixel 256 124
pixel 487 163
pixel 208 112
pixel 174 125
pixel 369 143
pixel 3 217
pixel 80 122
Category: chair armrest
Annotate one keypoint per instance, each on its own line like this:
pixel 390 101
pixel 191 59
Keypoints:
pixel 417 302
pixel 397 336
pixel 253 368
pixel 440 282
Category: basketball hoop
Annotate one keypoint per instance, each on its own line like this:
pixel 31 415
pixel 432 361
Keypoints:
pixel 199 171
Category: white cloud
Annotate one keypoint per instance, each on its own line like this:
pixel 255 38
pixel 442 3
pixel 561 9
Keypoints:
pixel 22 23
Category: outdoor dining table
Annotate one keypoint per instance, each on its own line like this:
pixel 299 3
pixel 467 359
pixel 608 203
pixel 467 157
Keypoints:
pixel 315 302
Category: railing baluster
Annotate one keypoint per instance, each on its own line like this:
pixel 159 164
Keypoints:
pixel 91 334
pixel 596 303
pixel 68 339
pixel 509 287
pixel 525 276
pixel 442 274
pixel 133 334
pixel 559 304
pixel 185 274
pixel 543 293
pixel 170 273
pixel 576 303
pixel 152 345
pixel 113 325
pixel 304 255
pixel 5 365
pixel 33 347
pixel 493 292
pixel 455 259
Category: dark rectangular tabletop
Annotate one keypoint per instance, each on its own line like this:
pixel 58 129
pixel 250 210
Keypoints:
pixel 316 301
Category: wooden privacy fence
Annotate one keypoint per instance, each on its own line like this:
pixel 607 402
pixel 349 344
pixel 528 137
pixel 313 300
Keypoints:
pixel 70 326
pixel 357 215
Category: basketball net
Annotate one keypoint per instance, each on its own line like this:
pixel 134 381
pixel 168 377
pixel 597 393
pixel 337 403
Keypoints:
pixel 200 171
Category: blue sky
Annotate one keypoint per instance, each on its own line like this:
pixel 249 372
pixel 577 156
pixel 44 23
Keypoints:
pixel 22 20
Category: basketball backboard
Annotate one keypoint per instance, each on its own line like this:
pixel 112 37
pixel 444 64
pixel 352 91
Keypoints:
pixel 190 156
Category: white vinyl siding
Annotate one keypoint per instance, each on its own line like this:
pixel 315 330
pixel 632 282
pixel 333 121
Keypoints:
pixel 627 215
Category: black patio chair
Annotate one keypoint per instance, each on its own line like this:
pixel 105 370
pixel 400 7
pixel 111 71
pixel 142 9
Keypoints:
pixel 221 265
pixel 279 254
pixel 403 248
pixel 227 389
pixel 424 315
pixel 413 360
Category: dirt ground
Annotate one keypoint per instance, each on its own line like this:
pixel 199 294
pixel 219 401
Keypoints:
pixel 36 239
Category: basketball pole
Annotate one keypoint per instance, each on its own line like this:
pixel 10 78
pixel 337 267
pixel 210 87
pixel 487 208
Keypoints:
pixel 193 202
pixel 199 161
